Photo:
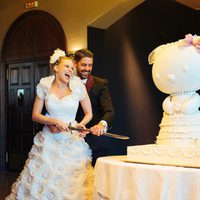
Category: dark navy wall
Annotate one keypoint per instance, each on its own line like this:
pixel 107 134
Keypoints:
pixel 121 56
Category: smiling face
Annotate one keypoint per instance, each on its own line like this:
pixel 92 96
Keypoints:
pixel 64 70
pixel 84 67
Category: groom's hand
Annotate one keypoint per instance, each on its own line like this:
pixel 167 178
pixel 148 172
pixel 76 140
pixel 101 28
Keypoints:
pixel 98 129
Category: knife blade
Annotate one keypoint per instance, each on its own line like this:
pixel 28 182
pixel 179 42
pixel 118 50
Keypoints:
pixel 117 136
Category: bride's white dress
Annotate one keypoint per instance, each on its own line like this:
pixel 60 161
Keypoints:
pixel 59 165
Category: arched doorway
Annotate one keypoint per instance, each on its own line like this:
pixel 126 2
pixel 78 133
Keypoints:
pixel 27 46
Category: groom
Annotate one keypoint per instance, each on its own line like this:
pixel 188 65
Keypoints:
pixel 100 98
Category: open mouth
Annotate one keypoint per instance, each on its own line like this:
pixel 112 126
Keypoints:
pixel 68 75
pixel 85 73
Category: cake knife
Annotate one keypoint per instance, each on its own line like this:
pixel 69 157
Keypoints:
pixel 117 136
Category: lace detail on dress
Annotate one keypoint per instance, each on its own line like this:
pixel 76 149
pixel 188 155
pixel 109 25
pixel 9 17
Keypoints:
pixel 76 85
pixel 56 170
pixel 44 86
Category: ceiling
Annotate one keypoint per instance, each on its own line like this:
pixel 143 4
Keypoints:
pixel 110 16
pixel 124 6
pixel 195 4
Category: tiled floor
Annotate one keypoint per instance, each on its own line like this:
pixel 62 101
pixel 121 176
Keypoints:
pixel 6 180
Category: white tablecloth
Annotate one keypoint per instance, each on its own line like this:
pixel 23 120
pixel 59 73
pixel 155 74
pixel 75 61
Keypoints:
pixel 119 180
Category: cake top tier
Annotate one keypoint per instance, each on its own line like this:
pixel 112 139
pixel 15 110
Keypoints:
pixel 176 66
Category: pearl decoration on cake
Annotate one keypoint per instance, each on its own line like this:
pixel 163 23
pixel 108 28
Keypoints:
pixel 189 93
pixel 171 78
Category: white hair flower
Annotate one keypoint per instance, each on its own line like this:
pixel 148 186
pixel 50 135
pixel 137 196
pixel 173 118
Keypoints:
pixel 56 55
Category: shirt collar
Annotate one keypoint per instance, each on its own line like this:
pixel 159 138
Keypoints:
pixel 84 80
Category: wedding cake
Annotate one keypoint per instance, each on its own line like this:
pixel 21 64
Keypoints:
pixel 176 72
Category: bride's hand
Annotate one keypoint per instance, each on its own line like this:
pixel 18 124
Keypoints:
pixel 53 129
pixel 84 132
pixel 62 126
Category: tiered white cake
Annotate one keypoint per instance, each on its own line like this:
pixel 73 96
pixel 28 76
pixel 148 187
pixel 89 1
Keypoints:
pixel 176 71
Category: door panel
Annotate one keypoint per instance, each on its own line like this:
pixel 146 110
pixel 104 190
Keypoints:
pixel 41 70
pixel 20 126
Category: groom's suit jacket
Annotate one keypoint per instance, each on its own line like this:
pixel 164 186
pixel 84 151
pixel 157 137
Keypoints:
pixel 102 109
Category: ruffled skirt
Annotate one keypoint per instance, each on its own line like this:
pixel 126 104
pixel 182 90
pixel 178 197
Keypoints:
pixel 58 168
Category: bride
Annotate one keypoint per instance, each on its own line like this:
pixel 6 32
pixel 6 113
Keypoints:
pixel 59 165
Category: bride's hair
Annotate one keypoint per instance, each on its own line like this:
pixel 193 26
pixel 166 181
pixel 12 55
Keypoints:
pixel 56 59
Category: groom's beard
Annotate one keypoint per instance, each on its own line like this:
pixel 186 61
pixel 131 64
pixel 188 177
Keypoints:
pixel 83 74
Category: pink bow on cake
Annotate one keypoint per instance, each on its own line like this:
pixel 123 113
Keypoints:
pixel 191 40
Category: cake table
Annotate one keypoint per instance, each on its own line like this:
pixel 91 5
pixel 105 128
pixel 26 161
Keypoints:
pixel 116 179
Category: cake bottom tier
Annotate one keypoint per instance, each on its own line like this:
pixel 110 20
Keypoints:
pixel 184 156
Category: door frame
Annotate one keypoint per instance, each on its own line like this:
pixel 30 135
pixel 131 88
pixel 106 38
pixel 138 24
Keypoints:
pixel 4 82
pixel 3 116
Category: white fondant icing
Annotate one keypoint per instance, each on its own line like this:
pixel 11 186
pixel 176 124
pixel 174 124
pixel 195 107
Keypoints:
pixel 176 69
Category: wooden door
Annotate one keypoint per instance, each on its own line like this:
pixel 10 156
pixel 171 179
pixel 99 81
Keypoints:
pixel 22 81
pixel 20 126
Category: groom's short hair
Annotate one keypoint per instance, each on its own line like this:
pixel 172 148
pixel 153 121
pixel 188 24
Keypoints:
pixel 82 53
